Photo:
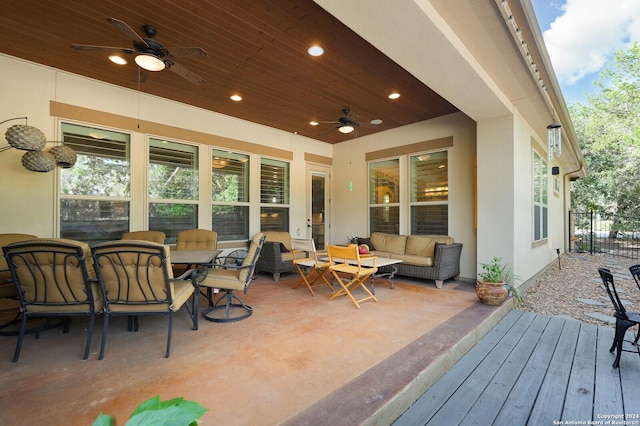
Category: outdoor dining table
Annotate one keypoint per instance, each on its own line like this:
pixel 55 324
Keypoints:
pixel 200 259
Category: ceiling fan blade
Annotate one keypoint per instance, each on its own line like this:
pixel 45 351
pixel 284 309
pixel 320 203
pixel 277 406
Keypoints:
pixel 329 122
pixel 187 52
pixel 185 73
pixel 102 48
pixel 329 131
pixel 126 30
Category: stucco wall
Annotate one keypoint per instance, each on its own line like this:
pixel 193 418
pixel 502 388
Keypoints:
pixel 350 166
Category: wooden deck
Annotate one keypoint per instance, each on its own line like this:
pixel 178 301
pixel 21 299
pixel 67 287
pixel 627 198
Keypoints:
pixel 534 369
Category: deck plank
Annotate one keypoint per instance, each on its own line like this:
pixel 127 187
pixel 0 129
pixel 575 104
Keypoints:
pixel 550 400
pixel 581 387
pixel 430 402
pixel 630 380
pixel 608 394
pixel 493 398
pixel 534 369
pixel 457 406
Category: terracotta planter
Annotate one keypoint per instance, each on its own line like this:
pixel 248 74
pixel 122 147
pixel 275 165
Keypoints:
pixel 491 293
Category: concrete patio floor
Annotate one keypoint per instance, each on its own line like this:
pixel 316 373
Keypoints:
pixel 297 360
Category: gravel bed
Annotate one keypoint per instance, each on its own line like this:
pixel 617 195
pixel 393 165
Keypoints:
pixel 574 289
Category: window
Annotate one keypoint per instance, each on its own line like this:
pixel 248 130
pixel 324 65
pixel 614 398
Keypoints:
pixel 274 195
pixel 173 187
pixel 384 196
pixel 540 189
pixel 95 193
pixel 230 195
pixel 429 194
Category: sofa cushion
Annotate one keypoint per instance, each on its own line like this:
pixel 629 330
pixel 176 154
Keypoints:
pixel 408 259
pixel 424 245
pixel 389 242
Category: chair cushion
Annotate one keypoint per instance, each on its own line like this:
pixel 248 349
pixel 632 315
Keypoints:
pixel 282 237
pixel 155 236
pixel 197 239
pixel 251 257
pixel 223 279
pixel 6 239
pixel 389 242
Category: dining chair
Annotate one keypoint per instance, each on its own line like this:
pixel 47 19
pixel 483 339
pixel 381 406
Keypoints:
pixel 155 236
pixel 635 273
pixel 136 279
pixel 8 289
pixel 310 268
pixel 229 277
pixel 624 319
pixel 345 261
pixel 55 278
pixel 194 239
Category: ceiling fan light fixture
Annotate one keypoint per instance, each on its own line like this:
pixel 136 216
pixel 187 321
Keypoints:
pixel 346 129
pixel 117 59
pixel 150 62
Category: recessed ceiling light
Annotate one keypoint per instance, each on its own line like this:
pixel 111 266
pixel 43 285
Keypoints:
pixel 117 59
pixel 314 123
pixel 315 50
pixel 236 98
pixel 394 95
pixel 376 121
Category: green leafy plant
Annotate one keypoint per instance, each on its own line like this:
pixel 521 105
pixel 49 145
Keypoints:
pixel 496 271
pixel 174 412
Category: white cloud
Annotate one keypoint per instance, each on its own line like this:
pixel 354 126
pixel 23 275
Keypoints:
pixel 583 38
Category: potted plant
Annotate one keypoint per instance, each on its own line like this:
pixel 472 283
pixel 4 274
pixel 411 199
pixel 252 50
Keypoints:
pixel 490 287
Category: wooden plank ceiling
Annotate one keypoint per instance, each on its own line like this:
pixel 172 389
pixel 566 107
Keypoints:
pixel 256 48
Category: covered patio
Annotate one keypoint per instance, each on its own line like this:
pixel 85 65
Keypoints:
pixel 297 360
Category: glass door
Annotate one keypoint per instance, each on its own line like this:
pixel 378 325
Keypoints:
pixel 318 223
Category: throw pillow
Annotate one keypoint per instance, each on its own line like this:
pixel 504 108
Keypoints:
pixel 366 241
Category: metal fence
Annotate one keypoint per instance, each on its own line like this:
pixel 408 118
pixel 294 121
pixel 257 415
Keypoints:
pixel 604 233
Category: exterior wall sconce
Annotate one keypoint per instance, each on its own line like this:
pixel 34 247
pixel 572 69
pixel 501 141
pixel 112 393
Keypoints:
pixel 555 171
pixel 32 140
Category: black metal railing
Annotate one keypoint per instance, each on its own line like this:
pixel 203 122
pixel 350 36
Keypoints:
pixel 604 233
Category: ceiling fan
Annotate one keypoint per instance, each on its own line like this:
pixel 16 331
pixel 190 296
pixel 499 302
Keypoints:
pixel 151 55
pixel 348 122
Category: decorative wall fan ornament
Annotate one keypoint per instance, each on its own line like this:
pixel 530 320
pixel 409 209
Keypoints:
pixel 348 122
pixel 151 55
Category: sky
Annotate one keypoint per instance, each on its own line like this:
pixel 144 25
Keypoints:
pixel 582 36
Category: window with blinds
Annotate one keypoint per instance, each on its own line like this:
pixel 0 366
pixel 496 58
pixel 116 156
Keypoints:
pixel 173 187
pixel 230 195
pixel 274 195
pixel 384 196
pixel 94 194
pixel 429 184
